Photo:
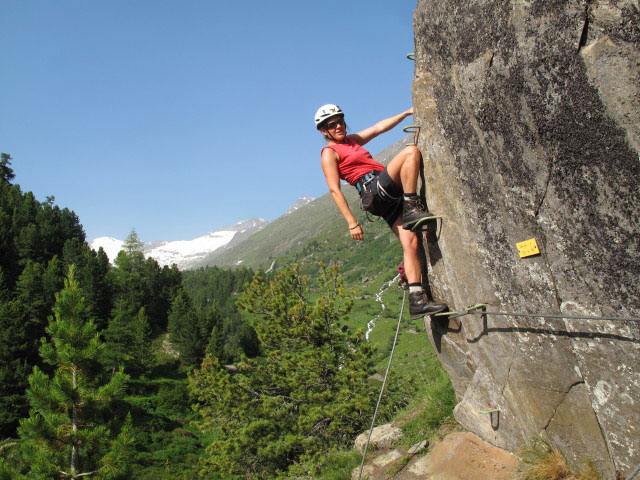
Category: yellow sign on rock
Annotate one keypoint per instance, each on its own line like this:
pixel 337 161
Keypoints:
pixel 528 248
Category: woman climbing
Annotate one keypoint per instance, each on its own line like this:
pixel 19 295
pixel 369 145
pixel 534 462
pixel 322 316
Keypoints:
pixel 388 192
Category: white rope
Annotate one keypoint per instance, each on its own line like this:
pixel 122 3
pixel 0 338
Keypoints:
pixel 384 383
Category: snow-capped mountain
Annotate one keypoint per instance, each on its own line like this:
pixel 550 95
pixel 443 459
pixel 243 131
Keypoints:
pixel 110 245
pixel 186 253
pixel 301 202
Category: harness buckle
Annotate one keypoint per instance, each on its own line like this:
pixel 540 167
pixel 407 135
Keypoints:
pixel 365 180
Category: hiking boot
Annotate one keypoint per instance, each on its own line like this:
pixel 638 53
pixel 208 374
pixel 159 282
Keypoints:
pixel 413 213
pixel 420 305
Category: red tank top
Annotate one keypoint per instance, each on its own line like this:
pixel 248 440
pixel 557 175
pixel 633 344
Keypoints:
pixel 353 160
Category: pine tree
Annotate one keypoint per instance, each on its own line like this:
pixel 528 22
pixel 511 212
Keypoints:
pixel 213 328
pixel 144 284
pixel 22 322
pixel 184 329
pixel 308 391
pixel 30 292
pixel 6 172
pixel 213 285
pixel 132 243
pixel 53 280
pixel 119 336
pixel 92 270
pixel 69 430
pixel 142 358
pixel 16 361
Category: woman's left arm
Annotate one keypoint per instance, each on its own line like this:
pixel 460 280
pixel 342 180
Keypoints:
pixel 382 126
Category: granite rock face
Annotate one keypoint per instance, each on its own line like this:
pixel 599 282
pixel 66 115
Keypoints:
pixel 530 116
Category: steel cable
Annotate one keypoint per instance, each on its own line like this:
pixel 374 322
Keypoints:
pixel 384 383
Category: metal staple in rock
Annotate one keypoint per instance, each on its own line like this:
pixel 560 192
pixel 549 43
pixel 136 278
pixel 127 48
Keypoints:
pixel 384 383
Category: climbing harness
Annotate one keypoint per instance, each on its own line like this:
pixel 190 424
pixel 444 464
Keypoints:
pixel 366 193
pixel 384 383
pixel 480 309
pixel 366 180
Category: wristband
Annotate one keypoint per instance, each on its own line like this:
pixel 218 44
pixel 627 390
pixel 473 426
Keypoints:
pixel 355 226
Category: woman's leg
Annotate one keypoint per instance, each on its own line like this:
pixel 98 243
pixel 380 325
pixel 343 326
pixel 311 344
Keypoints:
pixel 409 241
pixel 419 303
pixel 404 168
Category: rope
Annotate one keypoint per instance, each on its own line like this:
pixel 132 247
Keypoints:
pixel 384 383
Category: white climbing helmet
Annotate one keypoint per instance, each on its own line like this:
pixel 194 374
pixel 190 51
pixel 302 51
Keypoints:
pixel 327 111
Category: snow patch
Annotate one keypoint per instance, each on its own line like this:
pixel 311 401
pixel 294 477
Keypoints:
pixel 110 245
pixel 184 253
pixel 301 202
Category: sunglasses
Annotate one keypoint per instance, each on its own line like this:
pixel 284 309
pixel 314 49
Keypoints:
pixel 334 124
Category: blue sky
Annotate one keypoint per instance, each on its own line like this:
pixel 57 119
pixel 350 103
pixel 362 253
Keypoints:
pixel 181 117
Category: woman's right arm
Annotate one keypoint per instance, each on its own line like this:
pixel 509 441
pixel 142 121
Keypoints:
pixel 382 126
pixel 330 169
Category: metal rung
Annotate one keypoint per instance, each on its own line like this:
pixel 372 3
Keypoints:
pixel 475 307
pixel 452 315
pixel 488 410
pixel 415 129
pixel 417 227
pixel 411 56
pixel 425 219
pixel 444 314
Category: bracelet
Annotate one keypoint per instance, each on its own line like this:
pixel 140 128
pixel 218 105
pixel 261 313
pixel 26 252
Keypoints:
pixel 355 226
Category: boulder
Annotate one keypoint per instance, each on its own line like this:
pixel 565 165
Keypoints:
pixel 418 447
pixel 383 436
pixel 462 456
pixel 380 466
pixel 530 116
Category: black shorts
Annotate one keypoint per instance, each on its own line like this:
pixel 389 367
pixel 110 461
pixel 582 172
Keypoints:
pixel 387 200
